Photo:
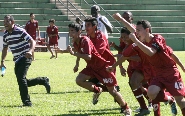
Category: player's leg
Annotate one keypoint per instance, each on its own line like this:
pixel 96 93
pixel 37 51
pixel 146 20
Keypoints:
pixel 49 48
pixel 135 83
pixel 124 107
pixel 175 86
pixel 157 94
pixel 55 47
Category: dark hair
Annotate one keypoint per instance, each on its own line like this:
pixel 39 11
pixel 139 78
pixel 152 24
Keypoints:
pixel 145 24
pixel 96 7
pixel 9 17
pixel 52 20
pixel 125 30
pixel 31 14
pixel 129 13
pixel 92 20
pixel 76 26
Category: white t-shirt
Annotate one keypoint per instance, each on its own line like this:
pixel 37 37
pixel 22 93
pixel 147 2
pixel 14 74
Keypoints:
pixel 101 26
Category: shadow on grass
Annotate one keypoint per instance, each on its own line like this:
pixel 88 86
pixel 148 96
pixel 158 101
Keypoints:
pixel 111 111
pixel 12 106
pixel 65 92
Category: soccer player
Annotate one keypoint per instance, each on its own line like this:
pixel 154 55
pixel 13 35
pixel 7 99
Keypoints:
pixel 127 15
pixel 21 45
pixel 135 73
pixel 166 74
pixel 52 33
pixel 96 67
pixel 100 42
pixel 31 28
pixel 104 24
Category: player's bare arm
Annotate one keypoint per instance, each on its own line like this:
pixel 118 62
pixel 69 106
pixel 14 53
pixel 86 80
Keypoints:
pixel 121 59
pixel 147 50
pixel 129 26
pixel 38 30
pixel 84 56
pixel 75 69
pixel 177 60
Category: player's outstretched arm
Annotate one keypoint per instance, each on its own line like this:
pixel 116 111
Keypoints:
pixel 147 50
pixel 75 69
pixel 121 59
pixel 84 56
pixel 177 61
pixel 129 26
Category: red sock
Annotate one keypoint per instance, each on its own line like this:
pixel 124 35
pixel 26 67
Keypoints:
pixel 96 89
pixel 104 88
pixel 139 96
pixel 125 106
pixel 156 108
pixel 145 94
pixel 183 111
pixel 146 85
pixel 161 97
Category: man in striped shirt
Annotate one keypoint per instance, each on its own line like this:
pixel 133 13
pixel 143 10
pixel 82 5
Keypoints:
pixel 21 45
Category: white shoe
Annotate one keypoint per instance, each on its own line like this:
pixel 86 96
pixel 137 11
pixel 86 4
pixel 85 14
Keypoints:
pixel 127 112
pixel 96 96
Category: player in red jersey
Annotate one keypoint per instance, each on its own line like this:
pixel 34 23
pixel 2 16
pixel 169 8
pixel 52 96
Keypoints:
pixel 100 42
pixel 166 74
pixel 96 67
pixel 31 28
pixel 52 33
pixel 135 73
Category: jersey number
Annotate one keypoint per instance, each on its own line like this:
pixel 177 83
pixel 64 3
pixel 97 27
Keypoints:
pixel 179 85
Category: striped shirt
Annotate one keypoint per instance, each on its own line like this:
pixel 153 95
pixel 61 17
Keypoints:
pixel 17 41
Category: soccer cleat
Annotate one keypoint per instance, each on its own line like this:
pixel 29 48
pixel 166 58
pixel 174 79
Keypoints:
pixel 173 109
pixel 52 56
pixel 137 110
pixel 126 112
pixel 27 104
pixel 96 96
pixel 150 107
pixel 47 85
pixel 143 112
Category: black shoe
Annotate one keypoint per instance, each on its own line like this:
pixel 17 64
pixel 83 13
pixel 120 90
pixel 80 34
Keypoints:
pixel 143 112
pixel 47 85
pixel 27 104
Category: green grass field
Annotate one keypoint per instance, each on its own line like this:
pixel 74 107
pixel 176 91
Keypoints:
pixel 66 98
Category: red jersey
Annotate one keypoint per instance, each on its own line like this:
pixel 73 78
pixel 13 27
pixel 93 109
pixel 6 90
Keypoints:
pixel 52 30
pixel 133 65
pixel 122 45
pixel 161 63
pixel 102 46
pixel 85 46
pixel 31 28
pixel 161 60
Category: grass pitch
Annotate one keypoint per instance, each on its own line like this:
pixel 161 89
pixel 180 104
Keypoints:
pixel 66 98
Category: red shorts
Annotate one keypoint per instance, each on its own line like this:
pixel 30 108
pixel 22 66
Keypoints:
pixel 53 41
pixel 172 83
pixel 106 78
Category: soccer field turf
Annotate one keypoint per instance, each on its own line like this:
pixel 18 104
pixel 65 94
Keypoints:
pixel 66 98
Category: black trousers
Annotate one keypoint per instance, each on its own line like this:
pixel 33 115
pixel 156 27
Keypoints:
pixel 21 69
